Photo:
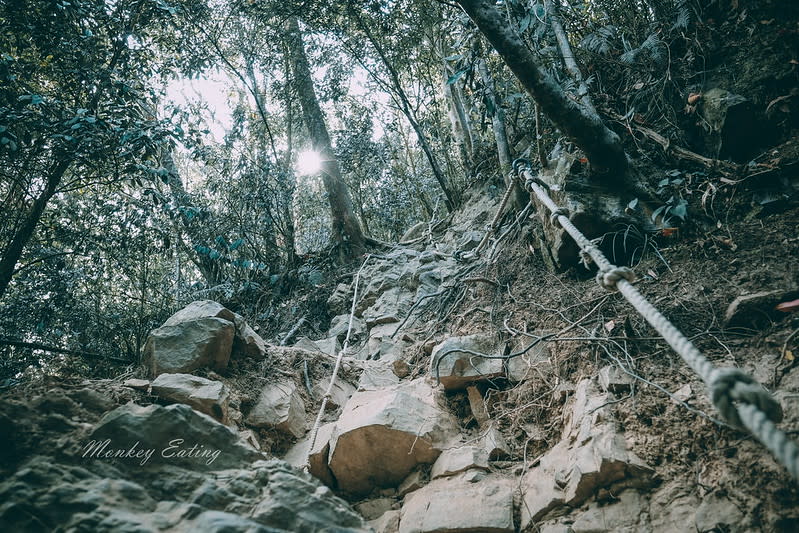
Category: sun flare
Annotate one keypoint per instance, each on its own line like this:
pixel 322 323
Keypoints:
pixel 309 162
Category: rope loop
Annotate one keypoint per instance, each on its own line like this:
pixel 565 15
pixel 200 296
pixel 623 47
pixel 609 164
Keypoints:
pixel 607 279
pixel 729 385
pixel 520 164
pixel 560 211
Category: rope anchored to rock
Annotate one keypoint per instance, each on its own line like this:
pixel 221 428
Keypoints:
pixel 742 401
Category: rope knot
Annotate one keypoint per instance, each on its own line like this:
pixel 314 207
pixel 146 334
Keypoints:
pixel 729 385
pixel 607 279
pixel 560 211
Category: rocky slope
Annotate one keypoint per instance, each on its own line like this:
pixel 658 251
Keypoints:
pixel 430 427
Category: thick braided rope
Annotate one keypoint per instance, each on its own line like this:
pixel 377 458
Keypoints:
pixel 742 401
pixel 329 391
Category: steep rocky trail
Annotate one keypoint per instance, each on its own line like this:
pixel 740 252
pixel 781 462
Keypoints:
pixel 592 425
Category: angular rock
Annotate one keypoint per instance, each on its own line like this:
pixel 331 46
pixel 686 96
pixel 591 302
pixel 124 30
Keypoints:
pixel 377 375
pixel 247 341
pixel 408 421
pixel 317 459
pixel 391 306
pixel 340 324
pixel 494 444
pixel 477 405
pixel 454 505
pixel 294 501
pixel 187 346
pixel 387 523
pixel 138 384
pixel 201 309
pixel 176 434
pixel 592 455
pixel 339 394
pixel 456 368
pixel 372 509
pixel 456 460
pixel 207 396
pixel 613 379
pixel 411 483
pixel 339 302
pixel 330 346
pixel 281 407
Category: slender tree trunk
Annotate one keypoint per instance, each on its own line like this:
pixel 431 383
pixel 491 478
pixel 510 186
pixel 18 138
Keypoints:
pixel 568 55
pixel 520 198
pixel 346 230
pixel 290 243
pixel 459 120
pixel 14 250
pixel 497 120
pixel 602 146
pixel 407 109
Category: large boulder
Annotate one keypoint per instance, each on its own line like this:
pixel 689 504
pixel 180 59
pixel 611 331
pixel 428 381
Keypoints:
pixel 382 435
pixel 456 504
pixel 205 395
pixel 187 346
pixel 455 364
pixel 280 406
pixel 176 435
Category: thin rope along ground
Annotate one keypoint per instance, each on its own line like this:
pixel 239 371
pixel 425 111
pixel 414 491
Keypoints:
pixel 340 356
pixel 741 401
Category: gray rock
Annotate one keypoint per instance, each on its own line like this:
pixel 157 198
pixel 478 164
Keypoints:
pixel 247 341
pixel 185 347
pixel 456 368
pixel 454 505
pixel 317 458
pixel 592 455
pixel 339 394
pixel 339 302
pixel 176 434
pixel 613 379
pixel 387 523
pixel 200 309
pixel 375 508
pixel 340 324
pixel 459 459
pixel 280 406
pixel 719 513
pixel 205 395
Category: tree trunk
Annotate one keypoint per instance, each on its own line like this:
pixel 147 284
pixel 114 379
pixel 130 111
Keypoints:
pixel 459 120
pixel 568 55
pixel 347 232
pixel 601 145
pixel 399 96
pixel 520 198
pixel 14 250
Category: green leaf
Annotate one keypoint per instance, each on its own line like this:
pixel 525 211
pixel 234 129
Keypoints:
pixel 680 210
pixel 525 22
pixel 453 57
pixel 235 244
pixel 633 203
pixel 455 77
